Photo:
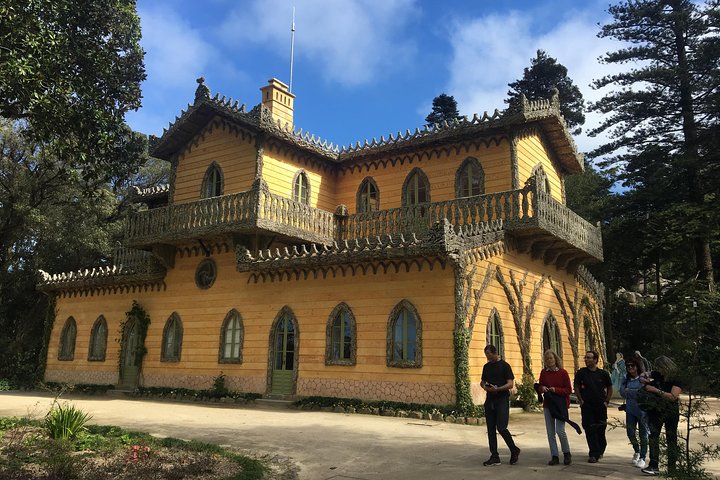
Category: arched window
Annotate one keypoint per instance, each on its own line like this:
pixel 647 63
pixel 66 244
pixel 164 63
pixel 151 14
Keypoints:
pixel 172 339
pixel 67 340
pixel 542 180
pixel 495 333
pixel 416 188
pixel 98 340
pixel 551 335
pixel 368 196
pixel 212 185
pixel 231 338
pixel 469 179
pixel 404 339
pixel 341 343
pixel 301 188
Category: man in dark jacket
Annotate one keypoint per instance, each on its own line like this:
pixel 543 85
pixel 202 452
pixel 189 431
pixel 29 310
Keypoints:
pixel 497 380
pixel 593 389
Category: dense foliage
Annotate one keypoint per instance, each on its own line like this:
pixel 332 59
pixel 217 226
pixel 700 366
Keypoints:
pixel 540 79
pixel 444 109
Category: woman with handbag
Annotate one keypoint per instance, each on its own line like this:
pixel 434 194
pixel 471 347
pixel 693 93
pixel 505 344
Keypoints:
pixel 659 399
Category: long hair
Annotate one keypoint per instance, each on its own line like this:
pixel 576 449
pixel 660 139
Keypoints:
pixel 665 365
pixel 558 360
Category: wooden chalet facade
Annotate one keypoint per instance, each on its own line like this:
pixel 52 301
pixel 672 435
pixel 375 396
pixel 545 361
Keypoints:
pixel 375 271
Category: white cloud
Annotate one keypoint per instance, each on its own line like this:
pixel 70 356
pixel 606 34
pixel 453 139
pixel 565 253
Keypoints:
pixel 490 52
pixel 349 41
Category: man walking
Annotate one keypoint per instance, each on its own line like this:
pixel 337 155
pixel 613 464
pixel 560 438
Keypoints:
pixel 593 389
pixel 497 380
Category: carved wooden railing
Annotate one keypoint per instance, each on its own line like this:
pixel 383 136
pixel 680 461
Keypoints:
pixel 514 204
pixel 240 212
pixel 523 209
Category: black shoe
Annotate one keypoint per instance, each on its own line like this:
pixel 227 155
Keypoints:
pixel 554 460
pixel 567 458
pixel 492 461
pixel 514 454
pixel 592 460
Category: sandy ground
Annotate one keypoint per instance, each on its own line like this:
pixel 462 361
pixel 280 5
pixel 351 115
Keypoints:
pixel 363 447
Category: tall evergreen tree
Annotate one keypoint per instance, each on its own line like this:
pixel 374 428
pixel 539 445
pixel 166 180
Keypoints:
pixel 444 108
pixel 538 81
pixel 663 115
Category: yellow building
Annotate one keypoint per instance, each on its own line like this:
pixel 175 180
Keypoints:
pixel 377 271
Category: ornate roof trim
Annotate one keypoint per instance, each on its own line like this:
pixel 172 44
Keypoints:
pixel 546 112
pixel 155 192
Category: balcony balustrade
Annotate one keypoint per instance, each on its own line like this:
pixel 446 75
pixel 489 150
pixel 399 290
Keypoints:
pixel 539 222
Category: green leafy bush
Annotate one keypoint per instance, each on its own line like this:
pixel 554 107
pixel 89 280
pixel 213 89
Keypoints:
pixel 5 385
pixel 65 422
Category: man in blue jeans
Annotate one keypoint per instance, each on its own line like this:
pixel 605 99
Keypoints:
pixel 497 380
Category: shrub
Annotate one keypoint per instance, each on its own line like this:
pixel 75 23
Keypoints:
pixel 65 422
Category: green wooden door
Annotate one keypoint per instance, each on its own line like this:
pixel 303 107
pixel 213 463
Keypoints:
pixel 283 357
pixel 130 365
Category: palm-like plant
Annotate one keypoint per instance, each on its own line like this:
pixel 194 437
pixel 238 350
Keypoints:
pixel 65 421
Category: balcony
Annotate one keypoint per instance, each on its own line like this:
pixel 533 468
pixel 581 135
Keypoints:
pixel 536 223
pixel 241 213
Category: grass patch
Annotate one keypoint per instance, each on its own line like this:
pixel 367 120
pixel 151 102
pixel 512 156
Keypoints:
pixel 28 451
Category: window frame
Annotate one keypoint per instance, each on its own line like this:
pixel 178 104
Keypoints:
pixel 411 182
pixel 303 181
pixel 222 358
pixel 66 348
pixel 94 356
pixel 554 336
pixel 404 306
pixel 174 356
pixel 341 309
pixel 494 318
pixel 470 162
pixel 217 183
pixel 365 185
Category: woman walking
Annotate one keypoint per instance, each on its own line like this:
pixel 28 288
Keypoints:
pixel 660 401
pixel 555 381
pixel 635 418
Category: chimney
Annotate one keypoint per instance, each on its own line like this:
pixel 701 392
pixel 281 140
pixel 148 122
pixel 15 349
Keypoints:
pixel 277 99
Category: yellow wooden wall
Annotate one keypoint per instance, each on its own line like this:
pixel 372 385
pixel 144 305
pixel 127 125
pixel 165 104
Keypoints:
pixel 494 297
pixel 233 152
pixel 440 171
pixel 531 151
pixel 371 298
pixel 280 169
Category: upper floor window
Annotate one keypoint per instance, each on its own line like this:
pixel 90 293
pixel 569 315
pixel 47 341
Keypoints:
pixel 341 337
pixel 172 339
pixel 404 348
pixel 301 188
pixel 368 196
pixel 470 179
pixel 212 185
pixel 495 334
pixel 542 180
pixel 98 340
pixel 231 338
pixel 67 340
pixel 416 188
pixel 551 335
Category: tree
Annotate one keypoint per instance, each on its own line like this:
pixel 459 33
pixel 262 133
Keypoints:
pixel 444 108
pixel 71 70
pixel 664 115
pixel 539 80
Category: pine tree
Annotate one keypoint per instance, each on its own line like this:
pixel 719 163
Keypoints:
pixel 539 80
pixel 663 115
pixel 444 108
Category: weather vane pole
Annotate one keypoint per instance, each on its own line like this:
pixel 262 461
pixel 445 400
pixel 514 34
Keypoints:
pixel 292 48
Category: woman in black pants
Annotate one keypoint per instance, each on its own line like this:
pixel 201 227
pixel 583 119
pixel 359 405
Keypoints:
pixel 662 391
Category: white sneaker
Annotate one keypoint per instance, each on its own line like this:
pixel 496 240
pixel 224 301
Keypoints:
pixel 635 458
pixel 640 463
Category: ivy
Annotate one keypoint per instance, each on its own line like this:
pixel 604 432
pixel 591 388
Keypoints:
pixel 142 319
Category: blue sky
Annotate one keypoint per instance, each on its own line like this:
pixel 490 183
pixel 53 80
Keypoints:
pixel 363 68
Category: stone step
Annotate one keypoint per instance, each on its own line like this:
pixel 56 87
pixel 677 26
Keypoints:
pixel 274 402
